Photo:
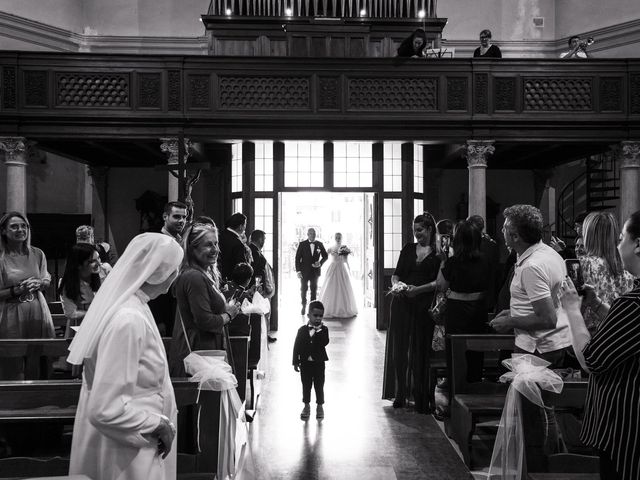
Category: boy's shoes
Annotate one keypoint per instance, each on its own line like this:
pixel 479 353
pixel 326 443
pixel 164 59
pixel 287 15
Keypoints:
pixel 306 411
pixel 319 412
pixel 271 339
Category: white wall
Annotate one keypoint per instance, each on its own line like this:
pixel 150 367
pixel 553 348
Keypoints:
pixel 67 14
pixel 577 16
pixel 507 19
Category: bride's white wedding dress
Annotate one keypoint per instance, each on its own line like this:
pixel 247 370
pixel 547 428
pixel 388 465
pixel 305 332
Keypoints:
pixel 337 294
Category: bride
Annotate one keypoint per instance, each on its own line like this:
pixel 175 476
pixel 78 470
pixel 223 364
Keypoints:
pixel 337 294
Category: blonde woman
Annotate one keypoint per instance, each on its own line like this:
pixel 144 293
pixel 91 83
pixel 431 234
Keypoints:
pixel 601 265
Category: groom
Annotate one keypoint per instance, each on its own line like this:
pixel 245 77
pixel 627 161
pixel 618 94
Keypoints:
pixel 309 259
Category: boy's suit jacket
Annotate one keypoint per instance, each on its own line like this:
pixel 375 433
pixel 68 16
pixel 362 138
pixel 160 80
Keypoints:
pixel 306 345
pixel 305 261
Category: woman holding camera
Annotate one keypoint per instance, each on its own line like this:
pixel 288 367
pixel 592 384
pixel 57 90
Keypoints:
pixel 204 312
pixel 612 356
pixel 601 265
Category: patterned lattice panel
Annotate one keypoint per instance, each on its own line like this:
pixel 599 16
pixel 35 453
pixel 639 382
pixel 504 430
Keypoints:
pixel 419 93
pixel 634 93
pixel 553 94
pixel 91 90
pixel 264 93
pixel 457 93
pixel 481 93
pixel 150 90
pixel 9 87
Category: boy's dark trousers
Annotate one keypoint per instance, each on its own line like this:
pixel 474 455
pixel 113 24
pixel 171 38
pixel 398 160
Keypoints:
pixel 312 373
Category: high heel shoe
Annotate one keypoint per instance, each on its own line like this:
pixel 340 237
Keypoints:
pixel 399 403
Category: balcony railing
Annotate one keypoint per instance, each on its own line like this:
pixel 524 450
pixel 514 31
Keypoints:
pixel 325 8
pixel 55 94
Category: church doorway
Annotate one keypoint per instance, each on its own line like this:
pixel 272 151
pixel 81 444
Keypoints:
pixel 351 214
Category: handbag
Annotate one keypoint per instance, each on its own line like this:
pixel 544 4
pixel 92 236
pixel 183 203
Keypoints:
pixel 438 307
pixel 269 283
pixel 437 344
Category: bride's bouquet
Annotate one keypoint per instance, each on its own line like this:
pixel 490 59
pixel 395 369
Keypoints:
pixel 343 251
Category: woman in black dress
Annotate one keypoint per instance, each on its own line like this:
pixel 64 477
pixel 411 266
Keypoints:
pixel 486 49
pixel 413 46
pixel 410 326
pixel 465 274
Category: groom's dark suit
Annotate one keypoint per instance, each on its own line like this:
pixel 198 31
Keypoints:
pixel 304 264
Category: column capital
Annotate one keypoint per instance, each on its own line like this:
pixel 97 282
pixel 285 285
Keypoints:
pixel 169 145
pixel 477 152
pixel 14 148
pixel 630 154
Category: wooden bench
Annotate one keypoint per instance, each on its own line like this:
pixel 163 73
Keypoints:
pixel 472 401
pixel 240 353
pixel 55 401
pixel 38 354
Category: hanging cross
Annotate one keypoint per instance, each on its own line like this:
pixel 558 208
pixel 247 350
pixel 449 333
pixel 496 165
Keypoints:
pixel 179 149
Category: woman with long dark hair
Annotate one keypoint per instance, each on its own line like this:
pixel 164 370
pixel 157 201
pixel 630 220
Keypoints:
pixel 410 330
pixel 80 282
pixel 465 274
pixel 413 45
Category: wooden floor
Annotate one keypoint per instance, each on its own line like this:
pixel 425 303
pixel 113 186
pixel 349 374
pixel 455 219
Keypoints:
pixel 362 437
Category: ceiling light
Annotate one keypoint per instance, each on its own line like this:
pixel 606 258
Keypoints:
pixel 288 12
pixel 421 14
pixel 228 12
pixel 363 12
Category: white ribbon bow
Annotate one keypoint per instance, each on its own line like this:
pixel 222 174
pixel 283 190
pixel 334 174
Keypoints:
pixel 235 460
pixel 529 375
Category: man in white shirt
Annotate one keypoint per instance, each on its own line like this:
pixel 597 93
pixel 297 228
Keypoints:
pixel 538 275
pixel 577 49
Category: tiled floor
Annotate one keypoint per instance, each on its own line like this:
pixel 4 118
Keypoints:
pixel 362 437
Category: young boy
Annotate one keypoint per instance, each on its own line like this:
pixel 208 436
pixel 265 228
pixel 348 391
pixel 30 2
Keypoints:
pixel 309 356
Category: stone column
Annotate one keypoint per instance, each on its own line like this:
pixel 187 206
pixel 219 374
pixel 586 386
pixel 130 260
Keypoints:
pixel 169 146
pixel 15 158
pixel 477 153
pixel 629 179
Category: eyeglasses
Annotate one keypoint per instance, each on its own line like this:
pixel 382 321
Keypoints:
pixel 20 226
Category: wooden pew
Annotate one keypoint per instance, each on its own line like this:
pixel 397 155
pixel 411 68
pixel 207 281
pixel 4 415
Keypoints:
pixel 55 401
pixel 240 353
pixel 472 401
pixel 38 353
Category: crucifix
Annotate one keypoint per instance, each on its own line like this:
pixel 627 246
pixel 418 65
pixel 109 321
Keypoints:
pixel 178 150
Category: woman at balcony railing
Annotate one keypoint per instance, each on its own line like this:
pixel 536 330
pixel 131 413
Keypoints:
pixel 486 48
pixel 413 46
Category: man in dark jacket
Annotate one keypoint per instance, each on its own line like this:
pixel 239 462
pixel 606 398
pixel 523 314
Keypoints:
pixel 233 250
pixel 310 256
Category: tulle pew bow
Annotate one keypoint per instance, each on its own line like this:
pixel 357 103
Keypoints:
pixel 529 375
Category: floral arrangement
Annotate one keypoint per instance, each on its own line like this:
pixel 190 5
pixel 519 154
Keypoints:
pixel 398 288
pixel 343 251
